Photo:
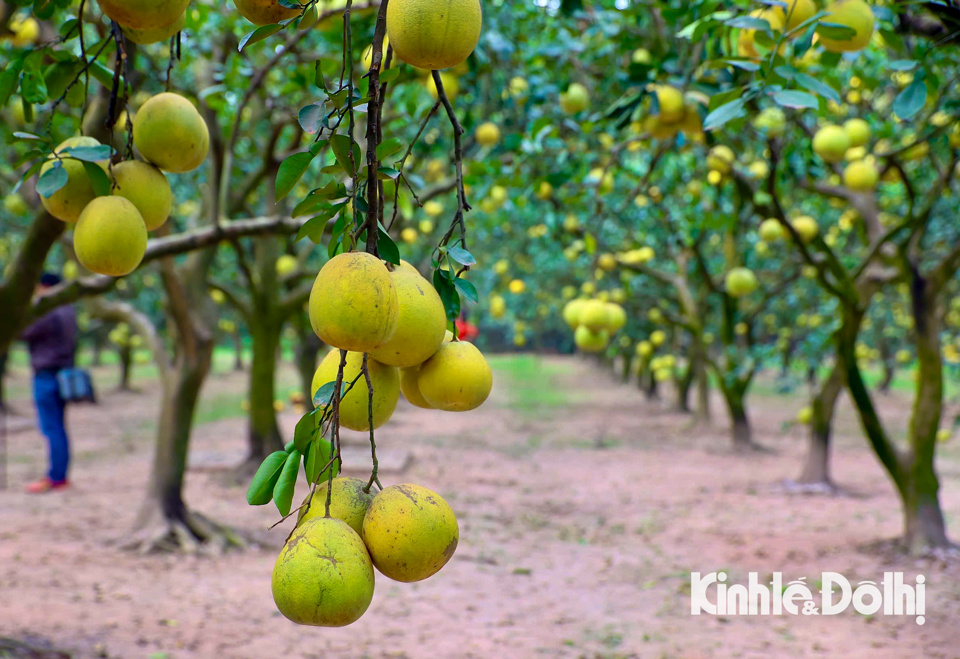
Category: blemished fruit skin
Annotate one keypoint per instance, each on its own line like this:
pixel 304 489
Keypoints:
pixel 831 143
pixel 354 304
pixel 434 34
pixel 110 237
pixel 594 316
pixel 264 12
pixel 456 379
pixel 421 322
pixel 155 35
pixel 590 341
pixel 740 282
pixel 323 575
pixel 354 406
pixel 170 133
pixel 855 14
pixel 144 14
pixel 68 202
pixel 411 532
pixel 348 502
pixel 148 189
pixel 410 387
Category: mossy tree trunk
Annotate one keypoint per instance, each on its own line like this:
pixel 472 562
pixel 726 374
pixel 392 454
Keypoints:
pixel 308 346
pixel 816 466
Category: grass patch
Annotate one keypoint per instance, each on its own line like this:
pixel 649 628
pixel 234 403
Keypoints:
pixel 533 382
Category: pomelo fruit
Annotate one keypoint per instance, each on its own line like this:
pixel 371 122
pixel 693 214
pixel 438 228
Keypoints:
pixel 68 202
pixel 593 315
pixel 410 531
pixel 740 282
pixel 323 576
pixel 855 14
pixel 155 35
pixel 348 502
pixel 589 341
pixel 354 303
pixel 110 237
pixel 488 134
pixel 831 143
pixel 264 12
pixel 148 189
pixel 170 133
pixel 410 388
pixel 434 34
pixel 144 14
pixel 421 321
pixel 456 379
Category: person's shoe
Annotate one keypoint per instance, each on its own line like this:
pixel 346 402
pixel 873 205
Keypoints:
pixel 46 485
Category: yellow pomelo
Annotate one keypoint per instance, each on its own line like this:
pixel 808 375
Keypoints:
pixel 144 14
pixel 670 102
pixel 434 34
pixel 69 201
pixel 740 282
pixel 807 227
pixel 411 532
pixel 410 387
pixel 488 134
pixel 590 341
pixel 264 12
pixel 857 130
pixel 771 230
pixel 456 379
pixel 155 35
pixel 323 576
pixel 855 14
pixel 831 143
pixel 593 315
pixel 354 407
pixel 170 133
pixel 616 316
pixel 348 502
pixel 795 13
pixel 746 40
pixel 575 99
pixel 498 306
pixel 861 175
pixel 147 188
pixel 354 303
pixel 721 158
pixel 421 322
pixel 571 312
pixel 110 237
pixel 287 264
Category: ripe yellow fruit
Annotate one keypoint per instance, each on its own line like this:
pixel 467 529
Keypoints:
pixel 616 316
pixel 411 532
pixel 264 12
pixel 409 235
pixel 410 387
pixel 434 34
pixel 488 134
pixel 287 264
pixel 805 415
pixel 861 175
pixel 147 188
pixel 456 379
pixel 658 337
pixel 68 202
pixel 451 85
pixel 855 14
pixel 858 131
pixel 720 159
pixel 806 226
pixel 170 133
pixel 110 237
pixel 589 341
pixel 354 406
pixel 498 306
pixel 154 35
pixel 324 575
pixel 831 143
pixel 421 322
pixel 796 13
pixel 354 304
pixel 25 31
pixel 349 502
pixel 670 102
pixel 644 349
pixel 517 286
pixel 593 315
pixel 740 282
pixel 607 262
pixel 545 191
pixel 746 46
pixel 575 99
pixel 144 14
pixel 771 230
pixel 571 312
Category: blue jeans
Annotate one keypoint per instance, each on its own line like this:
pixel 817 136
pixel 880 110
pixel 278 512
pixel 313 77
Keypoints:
pixel 50 410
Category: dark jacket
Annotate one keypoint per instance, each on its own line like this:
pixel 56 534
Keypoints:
pixel 52 339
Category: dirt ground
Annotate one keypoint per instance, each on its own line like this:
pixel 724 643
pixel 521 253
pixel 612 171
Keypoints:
pixel 583 509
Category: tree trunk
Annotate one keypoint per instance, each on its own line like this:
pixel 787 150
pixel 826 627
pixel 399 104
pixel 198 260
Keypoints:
pixel 263 434
pixel 308 345
pixel 3 373
pixel 627 367
pixel 816 468
pixel 684 385
pixel 125 355
pixel 237 351
pixel 698 365
pixel 740 431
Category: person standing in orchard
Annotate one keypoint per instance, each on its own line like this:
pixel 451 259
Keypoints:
pixel 52 341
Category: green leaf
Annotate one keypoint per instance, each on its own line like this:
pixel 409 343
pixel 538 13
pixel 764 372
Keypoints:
pixel 835 31
pixel 309 117
pixel 467 288
pixel 726 112
pixel 99 179
pixel 388 148
pixel 462 256
pixel 795 99
pixel 261 487
pixel 52 180
pixel 88 153
pixel 342 147
pixel 448 293
pixel 305 431
pixel 318 456
pixel 903 65
pixel 291 171
pixel 286 485
pixel 259 34
pixel 388 249
pixel 818 87
pixel 323 395
pixel 911 99
pixel 389 74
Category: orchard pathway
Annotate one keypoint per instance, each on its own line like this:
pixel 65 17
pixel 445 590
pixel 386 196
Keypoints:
pixel 582 508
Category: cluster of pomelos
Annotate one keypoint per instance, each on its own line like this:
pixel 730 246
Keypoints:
pixel 110 237
pixel 324 574
pixel 593 322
